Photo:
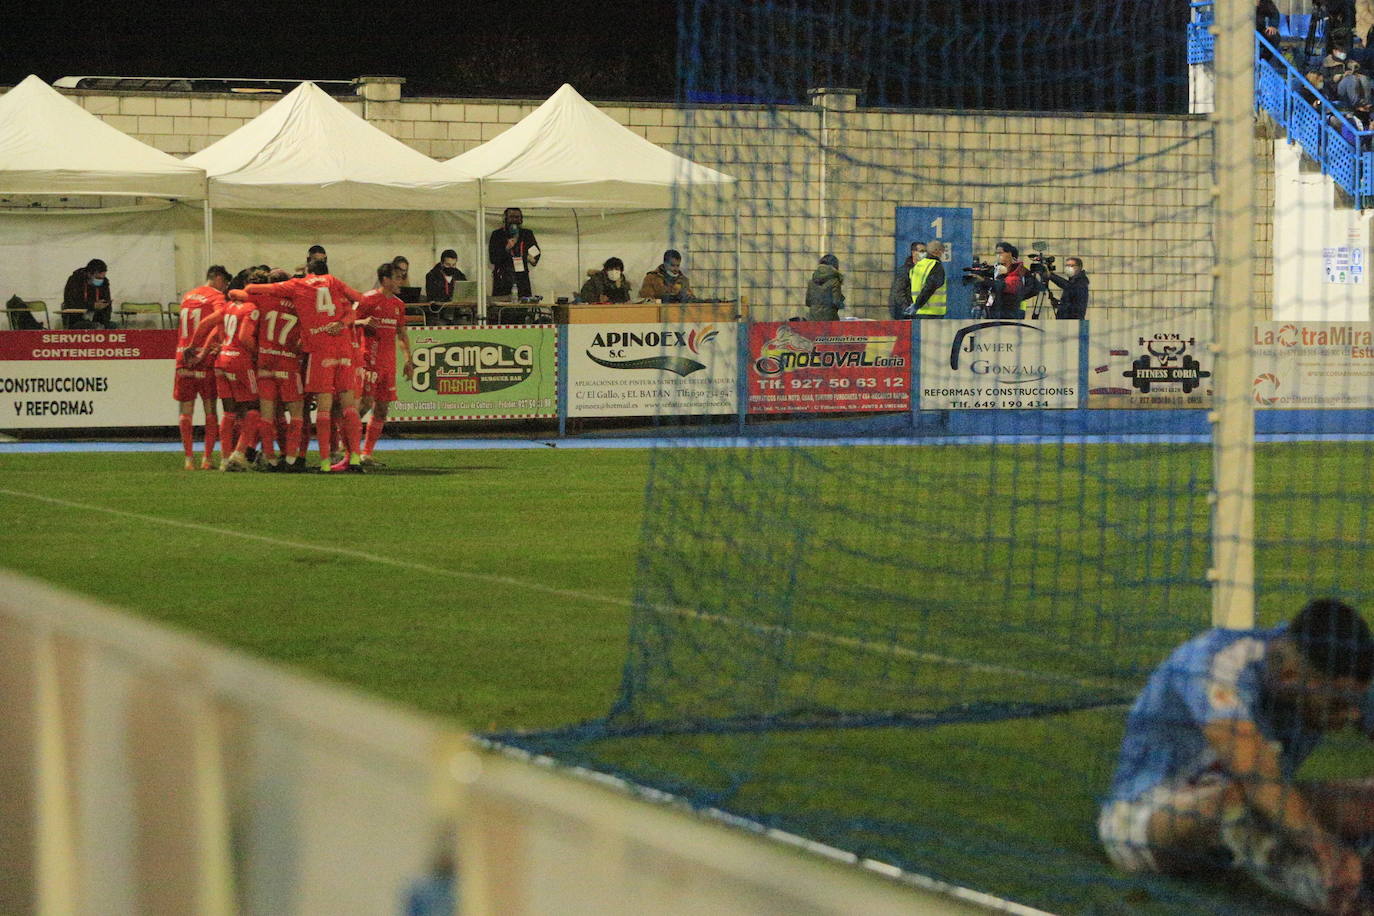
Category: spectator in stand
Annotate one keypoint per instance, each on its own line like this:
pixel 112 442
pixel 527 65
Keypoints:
pixel 899 296
pixel 1074 304
pixel 1267 19
pixel 667 282
pixel 88 291
pixel 1334 66
pixel 607 284
pixel 825 290
pixel 1355 88
pixel 439 286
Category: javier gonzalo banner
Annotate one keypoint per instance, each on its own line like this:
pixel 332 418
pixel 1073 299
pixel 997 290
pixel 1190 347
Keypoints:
pixel 619 370
pixel 1000 364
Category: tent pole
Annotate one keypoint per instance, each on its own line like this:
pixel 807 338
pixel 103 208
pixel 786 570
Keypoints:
pixel 209 234
pixel 479 266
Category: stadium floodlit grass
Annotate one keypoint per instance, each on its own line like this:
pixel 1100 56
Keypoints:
pixel 494 587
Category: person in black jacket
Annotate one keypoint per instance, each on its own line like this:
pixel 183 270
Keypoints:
pixel 512 250
pixel 439 286
pixel 88 289
pixel 1074 303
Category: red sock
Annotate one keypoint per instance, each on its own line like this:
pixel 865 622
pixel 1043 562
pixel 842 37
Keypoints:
pixel 248 434
pixel 335 434
pixel 211 431
pixel 188 435
pixel 324 426
pixel 352 429
pixel 281 429
pixel 226 435
pixel 374 432
pixel 295 435
pixel 267 429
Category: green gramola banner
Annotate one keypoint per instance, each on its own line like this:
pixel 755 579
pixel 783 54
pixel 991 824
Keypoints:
pixel 478 373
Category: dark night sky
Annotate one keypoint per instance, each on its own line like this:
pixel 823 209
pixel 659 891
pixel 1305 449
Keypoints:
pixel 473 47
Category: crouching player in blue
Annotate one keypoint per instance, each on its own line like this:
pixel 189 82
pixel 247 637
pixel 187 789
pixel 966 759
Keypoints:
pixel 1206 777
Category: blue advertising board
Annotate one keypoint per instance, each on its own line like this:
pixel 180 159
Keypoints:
pixel 951 225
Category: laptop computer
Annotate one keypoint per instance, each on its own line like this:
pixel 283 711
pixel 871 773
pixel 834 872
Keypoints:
pixel 409 294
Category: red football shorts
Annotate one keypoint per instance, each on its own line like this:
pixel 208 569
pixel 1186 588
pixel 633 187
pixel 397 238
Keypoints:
pixel 280 385
pixel 381 384
pixel 194 383
pixel 330 375
pixel 237 380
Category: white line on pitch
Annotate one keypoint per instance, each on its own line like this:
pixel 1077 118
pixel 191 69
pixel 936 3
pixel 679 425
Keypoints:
pixel 848 642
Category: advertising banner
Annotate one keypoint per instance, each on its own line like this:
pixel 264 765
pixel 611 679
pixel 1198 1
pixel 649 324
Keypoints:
pixel 63 379
pixel 621 370
pixel 1156 358
pixel 1316 364
pixel 494 372
pixel 996 363
pixel 829 365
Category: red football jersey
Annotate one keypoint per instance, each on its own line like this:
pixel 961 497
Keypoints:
pixel 240 332
pixel 197 305
pixel 387 314
pixel 320 300
pixel 279 333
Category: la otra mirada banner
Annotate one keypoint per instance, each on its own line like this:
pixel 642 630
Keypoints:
pixel 806 366
pixel 620 370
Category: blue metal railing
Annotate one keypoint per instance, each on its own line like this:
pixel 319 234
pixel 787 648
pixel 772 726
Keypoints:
pixel 1314 122
pixel 1201 44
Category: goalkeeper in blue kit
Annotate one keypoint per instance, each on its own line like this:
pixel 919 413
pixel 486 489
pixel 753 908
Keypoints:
pixel 1207 781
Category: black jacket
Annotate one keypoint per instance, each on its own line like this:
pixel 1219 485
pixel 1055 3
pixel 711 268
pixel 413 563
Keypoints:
pixel 80 294
pixel 501 259
pixel 439 286
pixel 1074 303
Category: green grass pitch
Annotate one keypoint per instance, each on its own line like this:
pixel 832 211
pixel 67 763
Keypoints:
pixel 494 587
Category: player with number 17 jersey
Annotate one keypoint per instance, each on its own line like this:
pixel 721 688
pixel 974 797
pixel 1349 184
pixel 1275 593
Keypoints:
pixel 324 306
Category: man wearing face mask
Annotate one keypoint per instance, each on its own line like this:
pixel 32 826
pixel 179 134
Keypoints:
pixel 87 301
pixel 512 250
pixel 439 285
pixel 607 284
pixel 899 296
pixel 667 282
pixel 1074 304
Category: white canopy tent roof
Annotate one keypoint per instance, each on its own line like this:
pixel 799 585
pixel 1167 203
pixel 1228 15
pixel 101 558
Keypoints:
pixel 51 145
pixel 568 153
pixel 310 152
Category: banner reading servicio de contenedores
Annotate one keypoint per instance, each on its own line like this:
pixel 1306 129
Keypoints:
pixel 61 379
pixel 478 373
pixel 626 370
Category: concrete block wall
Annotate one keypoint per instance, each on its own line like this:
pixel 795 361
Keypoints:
pixel 1131 195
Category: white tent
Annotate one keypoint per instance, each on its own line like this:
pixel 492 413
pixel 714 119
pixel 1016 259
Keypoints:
pixel 309 152
pixel 338 173
pixel 569 154
pixel 51 146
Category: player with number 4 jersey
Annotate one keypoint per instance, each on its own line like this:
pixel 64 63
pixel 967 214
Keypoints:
pixel 324 304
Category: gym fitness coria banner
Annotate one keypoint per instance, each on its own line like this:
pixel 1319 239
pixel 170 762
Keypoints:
pixel 478 373
pixel 623 370
pixel 1154 358
pixel 799 366
pixel 999 363
pixel 1317 364
pixel 67 379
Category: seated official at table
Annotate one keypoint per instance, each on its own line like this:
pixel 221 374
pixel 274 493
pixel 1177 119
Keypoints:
pixel 87 301
pixel 607 284
pixel 667 282
pixel 439 285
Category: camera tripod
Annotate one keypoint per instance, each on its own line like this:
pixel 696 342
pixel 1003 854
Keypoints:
pixel 1040 297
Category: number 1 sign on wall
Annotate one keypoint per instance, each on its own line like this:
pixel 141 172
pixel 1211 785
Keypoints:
pixel 951 225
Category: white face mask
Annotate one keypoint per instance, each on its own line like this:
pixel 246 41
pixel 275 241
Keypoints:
pixel 613 275
pixel 1072 271
pixel 1339 55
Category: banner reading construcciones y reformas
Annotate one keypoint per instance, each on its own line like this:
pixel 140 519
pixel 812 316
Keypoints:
pixel 1002 364
pixel 65 379
pixel 622 370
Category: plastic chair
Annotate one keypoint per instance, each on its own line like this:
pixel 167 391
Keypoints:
pixel 171 316
pixel 127 309
pixel 31 306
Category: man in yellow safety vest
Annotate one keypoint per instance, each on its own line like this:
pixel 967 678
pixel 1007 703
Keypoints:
pixel 928 287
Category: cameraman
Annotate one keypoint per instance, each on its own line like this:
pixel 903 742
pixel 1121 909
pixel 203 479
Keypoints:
pixel 1074 304
pixel 1008 283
